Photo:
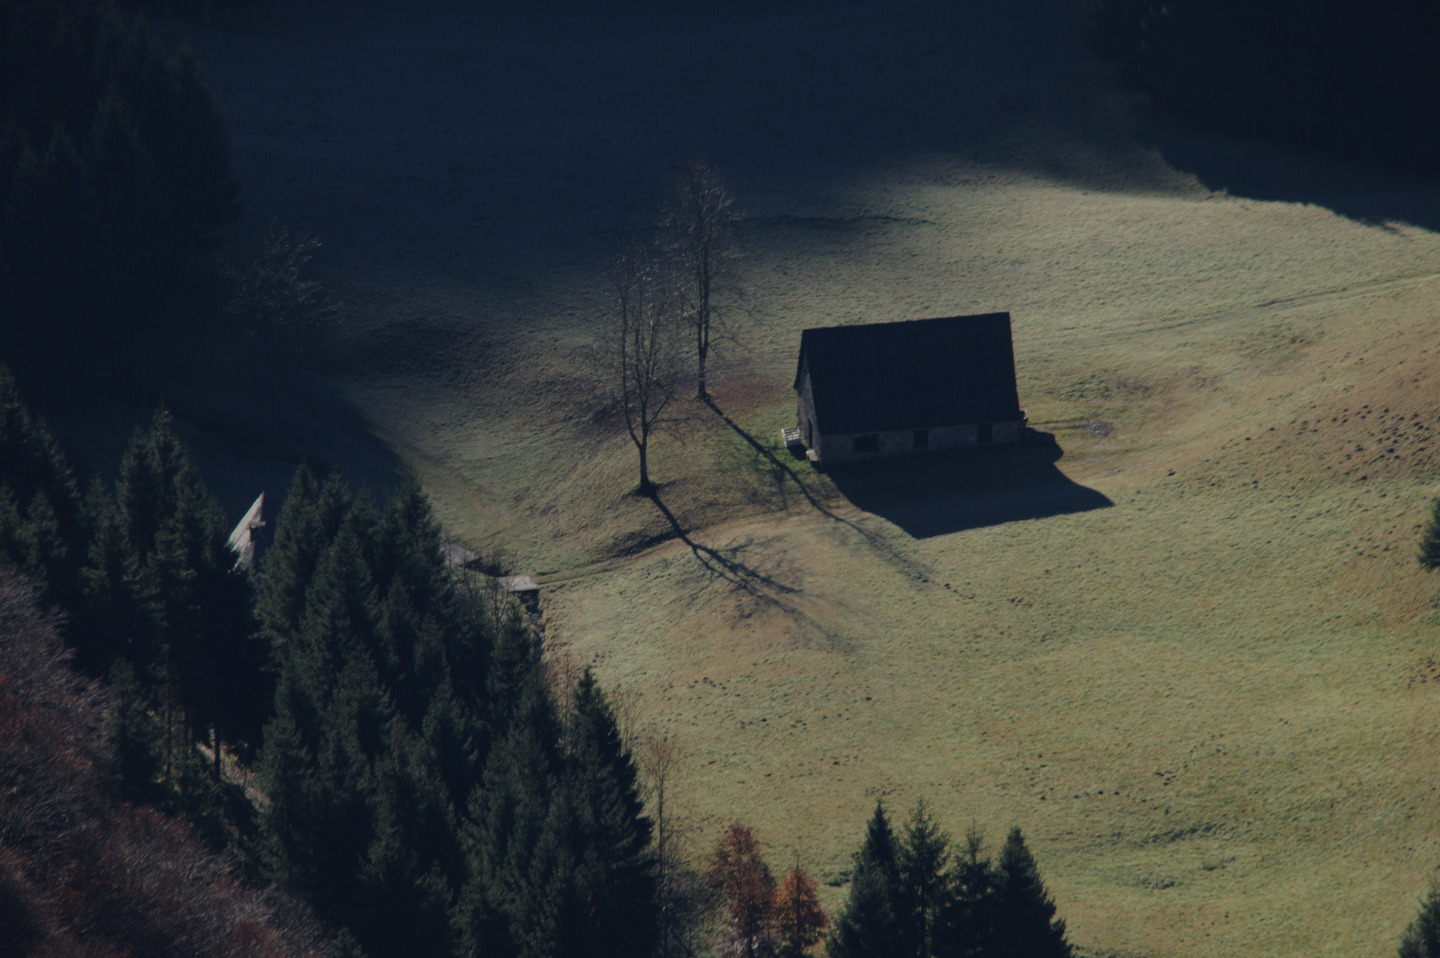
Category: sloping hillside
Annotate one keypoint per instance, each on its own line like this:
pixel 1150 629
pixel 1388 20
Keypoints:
pixel 1206 695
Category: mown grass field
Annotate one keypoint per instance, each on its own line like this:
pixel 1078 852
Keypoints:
pixel 1193 657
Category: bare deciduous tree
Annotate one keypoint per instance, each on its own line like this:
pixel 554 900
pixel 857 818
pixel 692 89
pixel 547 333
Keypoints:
pixel 275 302
pixel 698 228
pixel 658 761
pixel 646 313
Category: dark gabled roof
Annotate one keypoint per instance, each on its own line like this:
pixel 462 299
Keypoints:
pixel 911 375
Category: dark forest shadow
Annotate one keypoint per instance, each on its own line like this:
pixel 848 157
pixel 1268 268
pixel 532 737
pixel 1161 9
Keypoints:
pixel 247 433
pixel 1256 169
pixel 945 492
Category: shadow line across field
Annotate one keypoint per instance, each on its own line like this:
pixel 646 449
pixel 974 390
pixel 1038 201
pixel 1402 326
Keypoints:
pixel 1274 173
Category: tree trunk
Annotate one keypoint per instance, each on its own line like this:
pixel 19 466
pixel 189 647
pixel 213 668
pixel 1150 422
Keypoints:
pixel 702 348
pixel 644 488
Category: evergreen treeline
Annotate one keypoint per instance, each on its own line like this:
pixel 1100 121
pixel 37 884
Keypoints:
pixel 913 896
pixel 421 786
pixel 425 791
pixel 1346 76
pixel 152 596
pixel 115 182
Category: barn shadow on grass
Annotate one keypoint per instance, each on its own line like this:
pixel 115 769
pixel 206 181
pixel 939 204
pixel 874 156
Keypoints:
pixel 945 492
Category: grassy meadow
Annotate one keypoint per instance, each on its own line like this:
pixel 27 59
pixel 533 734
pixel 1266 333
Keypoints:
pixel 1193 657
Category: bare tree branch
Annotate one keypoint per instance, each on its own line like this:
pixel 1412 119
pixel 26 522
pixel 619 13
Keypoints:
pixel 698 228
pixel 645 310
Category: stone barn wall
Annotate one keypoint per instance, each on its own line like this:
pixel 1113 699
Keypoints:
pixel 842 447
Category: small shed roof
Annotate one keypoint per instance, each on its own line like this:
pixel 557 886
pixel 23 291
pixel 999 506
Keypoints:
pixel 242 538
pixel 914 374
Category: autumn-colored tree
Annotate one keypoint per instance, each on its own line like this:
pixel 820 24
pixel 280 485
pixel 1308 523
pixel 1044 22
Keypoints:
pixel 81 872
pixel 797 916
pixel 747 890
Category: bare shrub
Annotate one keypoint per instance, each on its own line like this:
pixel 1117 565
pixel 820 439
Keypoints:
pixel 275 303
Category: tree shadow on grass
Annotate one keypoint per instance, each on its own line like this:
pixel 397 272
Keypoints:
pixel 779 468
pixel 793 472
pixel 945 492
pixel 725 563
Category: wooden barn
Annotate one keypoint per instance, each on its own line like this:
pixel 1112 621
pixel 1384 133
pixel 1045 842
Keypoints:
pixel 888 389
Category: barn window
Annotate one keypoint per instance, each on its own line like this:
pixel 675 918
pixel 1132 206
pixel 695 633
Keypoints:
pixel 922 439
pixel 984 432
pixel 870 443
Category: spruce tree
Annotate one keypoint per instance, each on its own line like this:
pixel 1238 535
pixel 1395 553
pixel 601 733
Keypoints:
pixel 179 572
pixel 870 925
pixel 502 910
pixel 44 528
pixel 134 736
pixel 1422 936
pixel 616 885
pixel 403 890
pixel 1025 922
pixel 925 883
pixel 288 773
pixel 204 192
pixel 967 923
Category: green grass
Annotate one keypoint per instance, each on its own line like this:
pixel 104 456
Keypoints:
pixel 1211 704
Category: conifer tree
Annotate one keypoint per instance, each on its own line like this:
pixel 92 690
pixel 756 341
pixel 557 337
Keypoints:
pixel 403 890
pixel 287 769
pixel 616 885
pixel 967 923
pixel 44 527
pixel 452 745
pixel 308 523
pixel 1025 922
pixel 925 884
pixel 179 572
pixel 1422 935
pixel 502 908
pixel 134 736
pixel 115 178
pixel 869 926
pixel 204 190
